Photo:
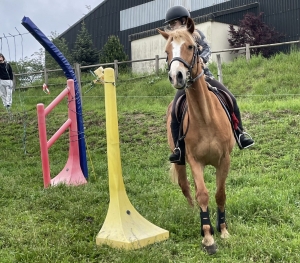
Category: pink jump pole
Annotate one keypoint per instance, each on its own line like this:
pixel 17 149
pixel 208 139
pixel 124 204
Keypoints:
pixel 72 173
pixel 43 144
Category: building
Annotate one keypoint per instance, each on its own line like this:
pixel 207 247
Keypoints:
pixel 135 22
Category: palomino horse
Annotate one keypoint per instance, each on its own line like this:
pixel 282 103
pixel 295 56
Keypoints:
pixel 209 138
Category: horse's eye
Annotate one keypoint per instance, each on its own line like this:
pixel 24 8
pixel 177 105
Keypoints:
pixel 190 47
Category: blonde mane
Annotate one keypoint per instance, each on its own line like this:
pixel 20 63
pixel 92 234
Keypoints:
pixel 181 33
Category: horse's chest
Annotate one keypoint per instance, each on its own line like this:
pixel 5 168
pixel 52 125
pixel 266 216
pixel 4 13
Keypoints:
pixel 204 147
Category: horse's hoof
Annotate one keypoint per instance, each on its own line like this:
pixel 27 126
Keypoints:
pixel 212 249
pixel 225 235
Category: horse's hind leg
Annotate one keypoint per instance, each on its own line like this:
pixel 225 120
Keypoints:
pixel 221 176
pixel 178 173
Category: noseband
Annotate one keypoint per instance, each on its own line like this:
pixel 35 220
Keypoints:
pixel 190 80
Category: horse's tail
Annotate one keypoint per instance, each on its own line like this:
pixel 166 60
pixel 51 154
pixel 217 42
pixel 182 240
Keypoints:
pixel 173 174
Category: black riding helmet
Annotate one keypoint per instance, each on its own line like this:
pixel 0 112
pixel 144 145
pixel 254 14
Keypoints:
pixel 176 12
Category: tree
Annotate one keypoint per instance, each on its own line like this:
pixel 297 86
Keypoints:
pixel 252 30
pixel 62 45
pixel 84 51
pixel 113 50
pixel 29 65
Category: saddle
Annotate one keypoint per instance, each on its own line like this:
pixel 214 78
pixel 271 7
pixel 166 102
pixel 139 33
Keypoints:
pixel 227 104
pixel 228 107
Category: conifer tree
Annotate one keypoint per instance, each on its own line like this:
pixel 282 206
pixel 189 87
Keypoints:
pixel 84 51
pixel 113 50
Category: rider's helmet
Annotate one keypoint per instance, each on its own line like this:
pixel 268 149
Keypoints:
pixel 176 12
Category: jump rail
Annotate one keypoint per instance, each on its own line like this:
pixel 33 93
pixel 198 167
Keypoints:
pixel 72 173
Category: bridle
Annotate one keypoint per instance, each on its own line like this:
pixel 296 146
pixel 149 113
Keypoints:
pixel 190 79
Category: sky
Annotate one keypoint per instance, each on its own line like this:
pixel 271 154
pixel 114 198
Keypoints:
pixel 48 15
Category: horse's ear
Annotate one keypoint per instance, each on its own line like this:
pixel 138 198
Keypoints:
pixel 190 25
pixel 163 33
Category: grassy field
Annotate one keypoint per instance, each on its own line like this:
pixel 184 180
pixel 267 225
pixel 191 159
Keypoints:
pixel 60 224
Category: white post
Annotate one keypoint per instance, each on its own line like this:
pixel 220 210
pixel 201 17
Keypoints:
pixel 116 68
pixel 157 64
pixel 247 52
pixel 219 64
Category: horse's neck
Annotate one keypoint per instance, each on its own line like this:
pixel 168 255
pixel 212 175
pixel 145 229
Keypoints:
pixel 200 102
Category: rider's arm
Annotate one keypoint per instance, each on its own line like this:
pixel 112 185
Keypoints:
pixel 205 53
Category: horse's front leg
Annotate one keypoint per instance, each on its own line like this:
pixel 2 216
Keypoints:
pixel 221 176
pixel 184 184
pixel 202 198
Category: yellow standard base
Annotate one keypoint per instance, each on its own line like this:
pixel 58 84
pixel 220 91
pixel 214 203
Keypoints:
pixel 125 228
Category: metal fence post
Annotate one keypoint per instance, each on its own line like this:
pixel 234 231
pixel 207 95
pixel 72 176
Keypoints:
pixel 14 82
pixel 157 64
pixel 219 64
pixel 116 68
pixel 247 52
pixel 46 76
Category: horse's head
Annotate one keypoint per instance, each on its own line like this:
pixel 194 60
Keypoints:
pixel 182 57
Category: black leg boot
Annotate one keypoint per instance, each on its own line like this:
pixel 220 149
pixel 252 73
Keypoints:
pixel 176 155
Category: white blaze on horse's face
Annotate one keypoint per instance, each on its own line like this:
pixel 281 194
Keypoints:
pixel 177 73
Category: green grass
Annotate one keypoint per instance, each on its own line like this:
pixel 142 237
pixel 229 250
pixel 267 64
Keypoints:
pixel 60 224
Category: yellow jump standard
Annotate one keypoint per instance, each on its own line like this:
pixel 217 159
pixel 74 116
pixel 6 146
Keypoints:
pixel 123 227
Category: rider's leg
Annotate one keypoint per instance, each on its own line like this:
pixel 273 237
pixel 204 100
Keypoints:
pixel 245 142
pixel 175 125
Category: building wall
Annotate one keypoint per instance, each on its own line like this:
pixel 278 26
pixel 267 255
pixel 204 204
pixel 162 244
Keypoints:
pixel 131 20
pixel 216 34
pixel 217 37
pixel 148 48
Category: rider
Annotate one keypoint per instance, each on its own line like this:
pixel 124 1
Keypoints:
pixel 176 17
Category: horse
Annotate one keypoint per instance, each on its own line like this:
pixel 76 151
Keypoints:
pixel 209 139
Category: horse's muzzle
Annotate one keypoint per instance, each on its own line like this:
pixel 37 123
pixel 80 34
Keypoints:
pixel 177 78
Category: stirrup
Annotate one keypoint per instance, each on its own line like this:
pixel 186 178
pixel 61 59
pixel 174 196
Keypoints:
pixel 248 137
pixel 179 158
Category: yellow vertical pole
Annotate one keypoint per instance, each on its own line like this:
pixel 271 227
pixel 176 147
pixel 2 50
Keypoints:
pixel 123 227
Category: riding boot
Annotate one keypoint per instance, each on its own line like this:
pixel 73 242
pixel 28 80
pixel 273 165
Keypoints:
pixel 176 155
pixel 245 139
